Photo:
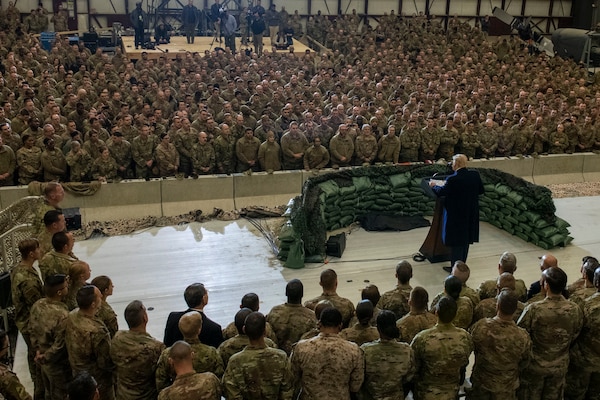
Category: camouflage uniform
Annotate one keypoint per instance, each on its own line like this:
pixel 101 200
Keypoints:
pixel 413 323
pixel 47 328
pixel 540 138
pixel 360 334
pixel 30 164
pixel 388 366
pixel 506 140
pixel 448 140
pixel 231 331
pixel 258 373
pixel 26 290
pixel 441 352
pixel 341 147
pixel 54 165
pixel 430 142
pixel 38 226
pixel 205 359
pixel 88 345
pixel 193 386
pixel 469 143
pixel 123 157
pixel 10 386
pixel 389 149
pixel 80 164
pixel 105 168
pixel 365 149
pixel 465 291
pixel 107 315
pixel 396 300
pixel 342 304
pixel 135 355
pixel 487 309
pixel 167 159
pixel 225 154
pixel 269 156
pixel 410 143
pixel 246 150
pixel 578 296
pixel 203 156
pixel 290 322
pixel 56 263
pixel 488 289
pixel 185 141
pixel 290 145
pixel 8 162
pixel 584 368
pixel 327 367
pixel 523 141
pixel 498 361
pixel 143 150
pixel 237 344
pixel 553 324
pixel 488 141
pixel 559 142
pixel 316 157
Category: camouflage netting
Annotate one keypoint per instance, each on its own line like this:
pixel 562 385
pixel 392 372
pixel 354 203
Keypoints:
pixel 336 200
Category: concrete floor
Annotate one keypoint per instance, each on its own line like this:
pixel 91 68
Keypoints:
pixel 233 258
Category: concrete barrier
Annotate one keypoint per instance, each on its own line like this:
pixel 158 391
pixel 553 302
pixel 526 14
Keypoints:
pixel 591 167
pixel 266 189
pixel 521 167
pixel 204 193
pixel 558 168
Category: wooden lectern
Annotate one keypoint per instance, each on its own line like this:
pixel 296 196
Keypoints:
pixel 433 248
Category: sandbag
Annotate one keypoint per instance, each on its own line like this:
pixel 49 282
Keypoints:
pixel 361 183
pixel 400 180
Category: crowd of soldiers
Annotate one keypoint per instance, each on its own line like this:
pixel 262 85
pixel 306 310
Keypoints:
pixel 409 90
pixel 529 344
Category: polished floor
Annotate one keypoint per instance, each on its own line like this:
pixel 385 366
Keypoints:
pixel 233 258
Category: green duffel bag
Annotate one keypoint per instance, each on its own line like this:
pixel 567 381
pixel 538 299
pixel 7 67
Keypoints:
pixel 295 257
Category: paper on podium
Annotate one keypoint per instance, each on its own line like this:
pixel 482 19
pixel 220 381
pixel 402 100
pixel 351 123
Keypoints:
pixel 438 182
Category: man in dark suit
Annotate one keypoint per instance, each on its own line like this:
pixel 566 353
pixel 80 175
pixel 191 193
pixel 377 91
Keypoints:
pixel 461 192
pixel 196 297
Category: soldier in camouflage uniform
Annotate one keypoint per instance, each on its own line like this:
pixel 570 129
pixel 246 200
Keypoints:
pixel 396 300
pixel 29 161
pixel 88 341
pixel 583 377
pixel 205 358
pixel 507 135
pixel 258 372
pixel 498 361
pixel 60 259
pixel 269 154
pixel 53 161
pixel 53 196
pixel 120 150
pixel 418 319
pixel 430 140
pixel 341 148
pixel 389 365
pixel 487 307
pixel 507 263
pixel 184 140
pixel 79 162
pixel 106 313
pixel 362 331
pixel 291 320
pixel 365 146
pixel 167 157
pixel 469 141
pixel 559 141
pixel 251 301
pixel 327 366
pixel 224 146
pixel 553 325
pixel 237 343
pixel 540 136
pixel 26 289
pixel 461 271
pixel 203 155
pixel 104 167
pixel 47 325
pixel 442 354
pixel 135 353
pixel 449 137
pixel 328 281
pixel 189 385
pixel 142 148
pixel 488 139
pixel 246 151
pixel 293 146
pixel 10 386
pixel 389 146
pixel 410 142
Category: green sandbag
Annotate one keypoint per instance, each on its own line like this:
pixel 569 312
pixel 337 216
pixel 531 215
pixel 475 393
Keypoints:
pixel 492 195
pixel 397 206
pixel 400 191
pixel 547 232
pixel 379 188
pixel 556 240
pixel 541 224
pixel 496 223
pixel 505 211
pixel 531 216
pixel 386 196
pixel 400 180
pixel 507 201
pixel 526 227
pixel 415 193
pixel 544 245
pixel 488 187
pixel 287 233
pixel 295 258
pixel 283 253
pixel 568 239
pixel 348 203
pixel 347 220
pixel 330 188
pixel 515 197
pixel 499 203
pixel 561 223
pixel 335 226
pixel 502 190
pixel 347 190
pixel 513 210
pixel 365 204
pixel 520 217
pixel 322 198
pixel 522 206
pixel 361 183
pixel 512 220
pixel 522 236
pixel 534 236
pixel 517 228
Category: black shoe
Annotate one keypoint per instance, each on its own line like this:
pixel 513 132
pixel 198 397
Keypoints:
pixel 447 268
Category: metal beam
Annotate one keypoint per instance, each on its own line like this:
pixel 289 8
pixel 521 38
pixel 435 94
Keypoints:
pixel 550 11
pixel 447 15
pixel 523 4
pixel 478 8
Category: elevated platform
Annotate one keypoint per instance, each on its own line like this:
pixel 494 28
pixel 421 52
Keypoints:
pixel 201 44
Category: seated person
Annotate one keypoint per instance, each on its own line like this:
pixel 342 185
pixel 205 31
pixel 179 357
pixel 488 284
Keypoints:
pixel 162 33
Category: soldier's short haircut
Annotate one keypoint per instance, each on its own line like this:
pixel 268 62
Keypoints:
pixel 194 294
pixel 328 279
pixel 134 314
pixel 589 266
pixel 331 317
pixel 404 271
pixel 52 216
pixel 50 188
pixel 507 302
pixel 180 351
pixel 251 301
pixel 508 262
pixel 322 305
pixel 556 279
pixel 102 282
pixel 255 325
pixel 294 290
pixel 386 324
pixel 190 324
pixel 86 296
pixel 26 246
pixel 371 292
pixel 419 298
pixel 506 280
pixel 461 270
pixel 25 137
pixel 82 387
pixel 446 309
pixel 240 319
pixel 364 311
pixel 597 278
pixel 60 240
pixel 453 286
pixel 53 284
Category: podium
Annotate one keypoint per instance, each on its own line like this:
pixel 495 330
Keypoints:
pixel 433 248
